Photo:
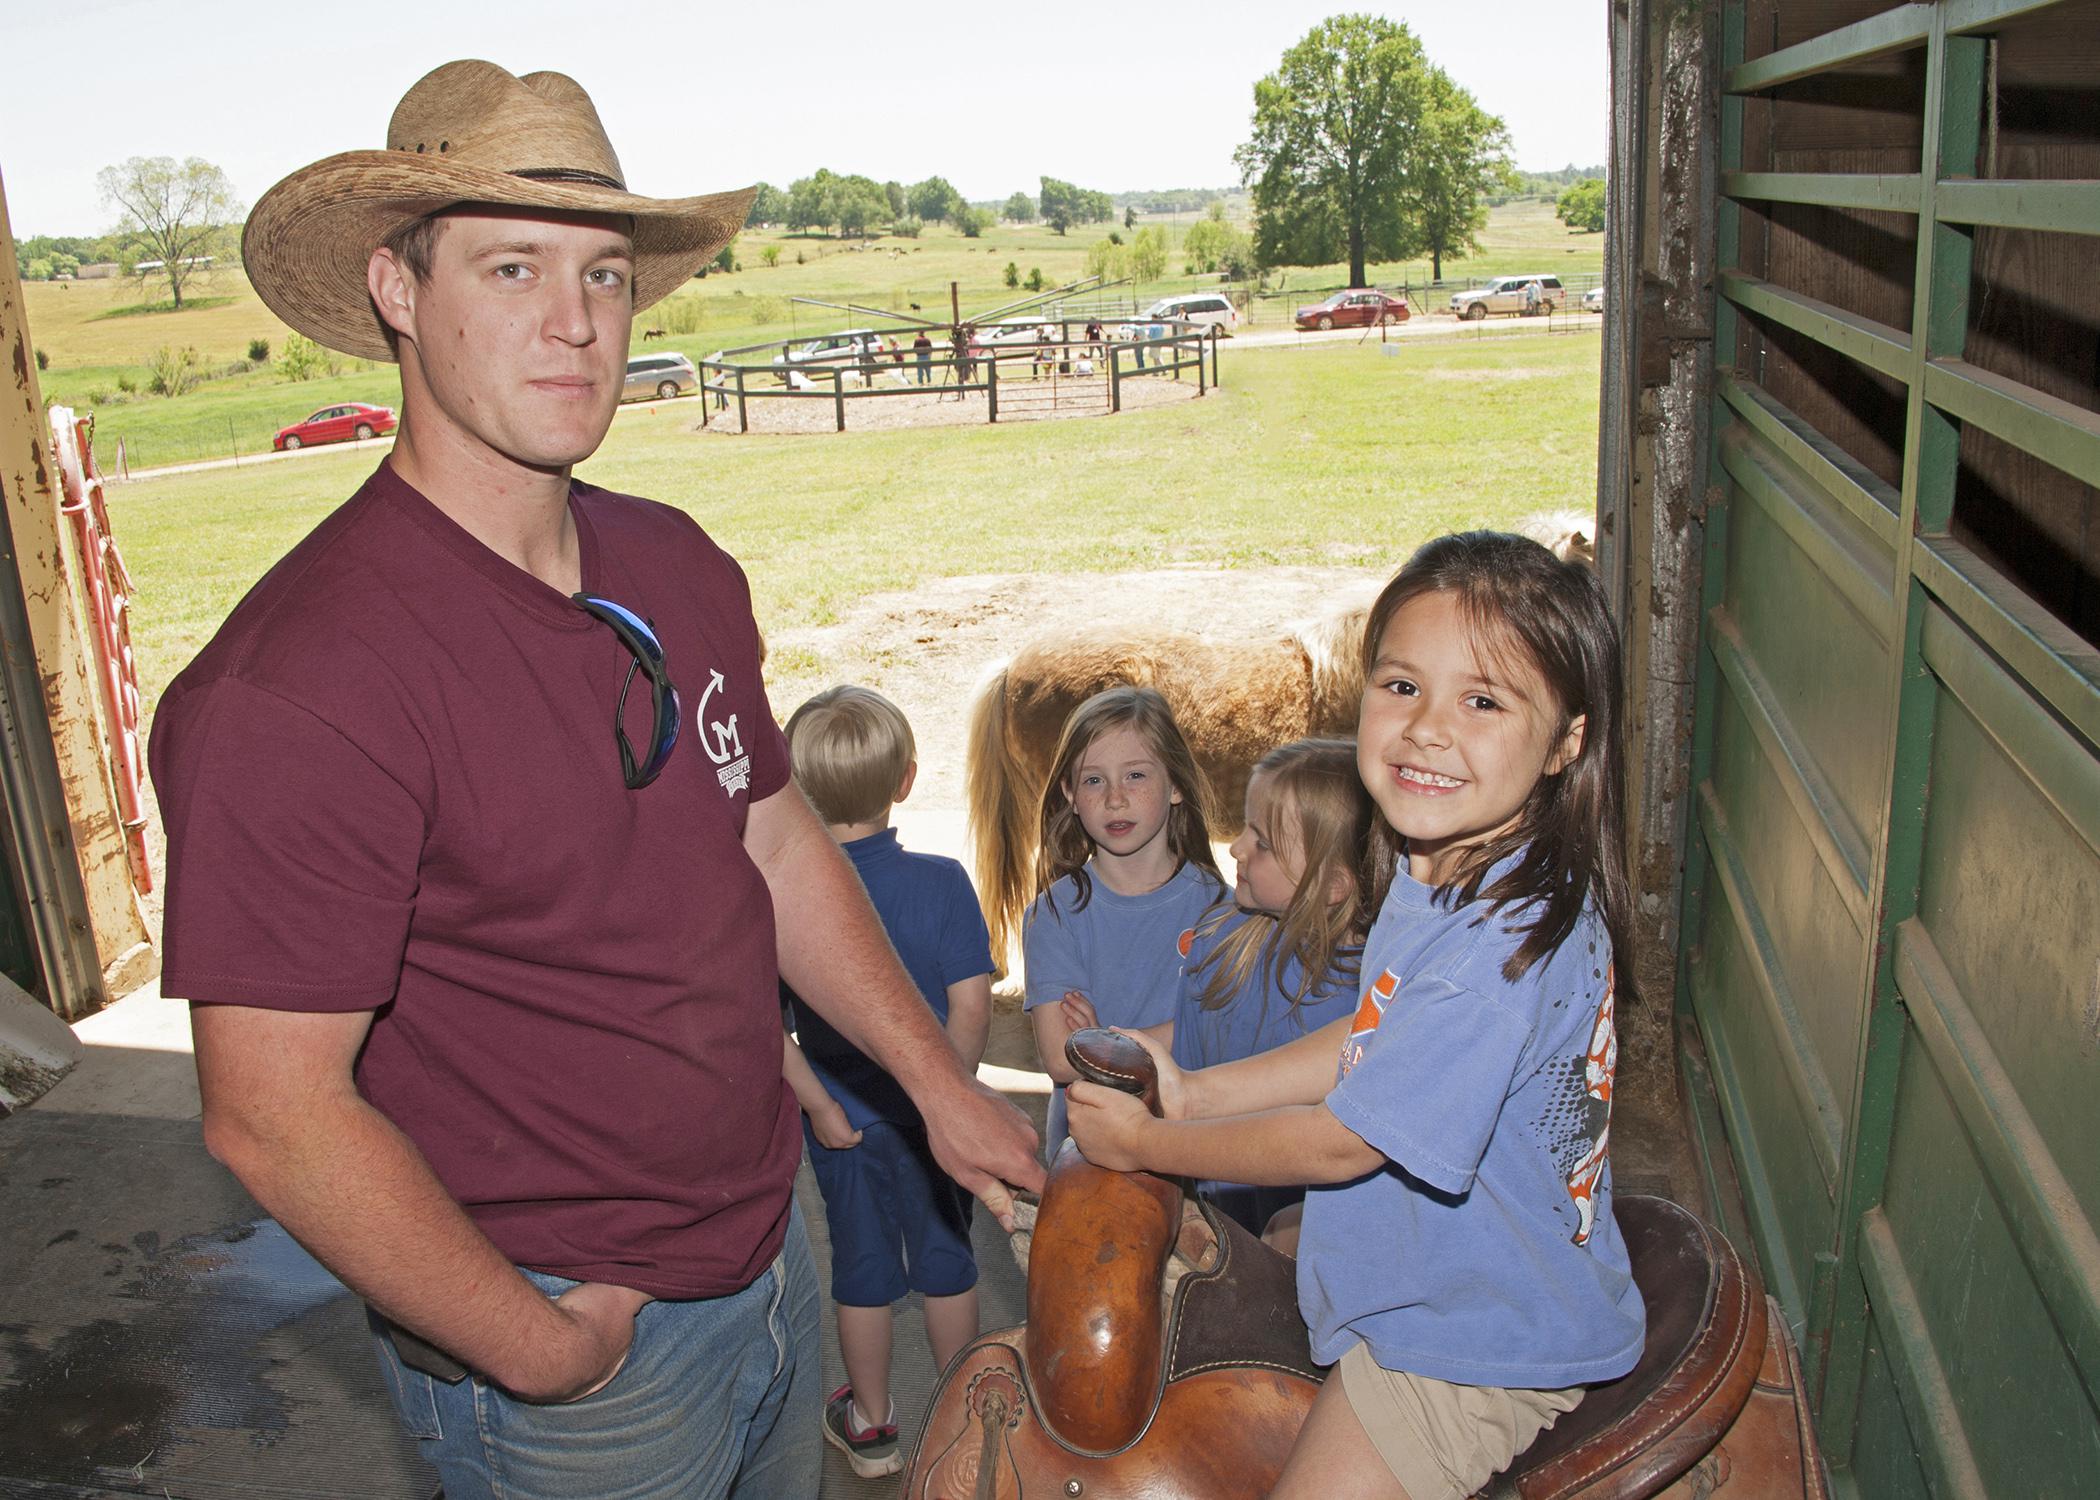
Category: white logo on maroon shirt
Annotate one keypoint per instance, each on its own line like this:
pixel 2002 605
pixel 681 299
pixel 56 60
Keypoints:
pixel 723 745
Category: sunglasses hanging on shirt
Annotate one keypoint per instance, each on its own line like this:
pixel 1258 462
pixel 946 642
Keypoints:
pixel 640 640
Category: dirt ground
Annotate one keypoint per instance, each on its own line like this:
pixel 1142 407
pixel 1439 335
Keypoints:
pixel 930 648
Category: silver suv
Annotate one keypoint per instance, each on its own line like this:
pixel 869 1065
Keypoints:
pixel 1525 294
pixel 659 375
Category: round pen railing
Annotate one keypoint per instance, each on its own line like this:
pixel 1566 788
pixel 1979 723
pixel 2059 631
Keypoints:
pixel 1024 375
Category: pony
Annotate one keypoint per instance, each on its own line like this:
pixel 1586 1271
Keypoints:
pixel 1235 700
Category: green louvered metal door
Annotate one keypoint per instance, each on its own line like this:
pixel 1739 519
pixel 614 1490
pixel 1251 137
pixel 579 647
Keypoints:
pixel 1891 963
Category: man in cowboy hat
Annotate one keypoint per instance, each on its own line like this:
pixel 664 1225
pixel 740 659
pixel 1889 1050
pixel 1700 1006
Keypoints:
pixel 484 986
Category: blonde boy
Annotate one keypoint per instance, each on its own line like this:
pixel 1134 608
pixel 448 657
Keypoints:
pixel 897 1222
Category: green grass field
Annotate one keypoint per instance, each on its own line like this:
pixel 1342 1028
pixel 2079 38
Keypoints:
pixel 1318 455
pixel 91 344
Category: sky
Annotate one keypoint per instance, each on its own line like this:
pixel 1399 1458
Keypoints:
pixel 703 96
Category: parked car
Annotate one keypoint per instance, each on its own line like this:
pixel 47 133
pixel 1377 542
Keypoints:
pixel 1593 300
pixel 660 375
pixel 1207 309
pixel 1354 308
pixel 1022 330
pixel 336 424
pixel 1509 294
pixel 832 348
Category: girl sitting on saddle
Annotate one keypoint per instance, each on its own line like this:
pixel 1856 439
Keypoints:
pixel 1123 869
pixel 1459 1266
pixel 1280 961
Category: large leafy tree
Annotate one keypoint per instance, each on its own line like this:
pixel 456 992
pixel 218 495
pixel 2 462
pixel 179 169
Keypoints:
pixel 770 206
pixel 1065 205
pixel 934 200
pixel 1461 160
pixel 1020 209
pixel 179 215
pixel 1581 207
pixel 1336 130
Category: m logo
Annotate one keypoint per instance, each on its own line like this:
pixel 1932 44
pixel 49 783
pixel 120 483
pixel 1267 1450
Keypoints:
pixel 721 742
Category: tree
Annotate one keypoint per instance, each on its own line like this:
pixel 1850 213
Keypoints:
pixel 934 200
pixel 1148 253
pixel 972 221
pixel 770 206
pixel 1335 136
pixel 178 215
pixel 1581 207
pixel 1461 161
pixel 1129 218
pixel 1019 209
pixel 1060 202
pixel 898 198
pixel 1012 274
pixel 1107 259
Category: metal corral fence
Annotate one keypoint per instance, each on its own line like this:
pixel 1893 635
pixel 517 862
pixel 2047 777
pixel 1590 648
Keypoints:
pixel 1024 368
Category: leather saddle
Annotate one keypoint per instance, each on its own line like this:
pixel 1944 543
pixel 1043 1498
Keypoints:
pixel 1164 1358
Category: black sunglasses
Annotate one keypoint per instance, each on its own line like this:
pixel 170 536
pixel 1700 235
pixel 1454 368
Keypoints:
pixel 637 636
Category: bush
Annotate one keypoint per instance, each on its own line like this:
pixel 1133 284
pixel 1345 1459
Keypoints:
pixel 43 360
pixel 770 254
pixel 1013 274
pixel 1035 279
pixel 973 222
pixel 906 228
pixel 259 351
pixel 173 371
pixel 127 385
pixel 303 359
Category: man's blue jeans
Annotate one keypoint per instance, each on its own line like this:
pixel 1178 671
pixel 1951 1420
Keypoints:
pixel 722 1397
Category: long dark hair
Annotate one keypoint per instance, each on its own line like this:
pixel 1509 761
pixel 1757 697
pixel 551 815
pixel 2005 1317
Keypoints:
pixel 1065 848
pixel 1515 595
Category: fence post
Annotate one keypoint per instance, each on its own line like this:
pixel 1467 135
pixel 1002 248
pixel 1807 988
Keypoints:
pixel 991 377
pixel 707 397
pixel 838 394
pixel 1115 377
pixel 1202 385
pixel 1217 342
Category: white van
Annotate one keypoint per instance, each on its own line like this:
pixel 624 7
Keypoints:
pixel 1210 309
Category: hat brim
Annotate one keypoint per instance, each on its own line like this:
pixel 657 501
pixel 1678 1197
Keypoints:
pixel 309 241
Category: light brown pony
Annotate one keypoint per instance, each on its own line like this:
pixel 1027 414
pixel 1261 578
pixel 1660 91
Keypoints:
pixel 1234 700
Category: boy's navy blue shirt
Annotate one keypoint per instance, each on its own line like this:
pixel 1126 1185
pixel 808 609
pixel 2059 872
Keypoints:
pixel 930 911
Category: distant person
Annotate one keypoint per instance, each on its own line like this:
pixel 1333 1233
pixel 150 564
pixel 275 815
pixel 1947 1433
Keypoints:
pixel 482 920
pixel 922 353
pixel 898 1223
pixel 1531 298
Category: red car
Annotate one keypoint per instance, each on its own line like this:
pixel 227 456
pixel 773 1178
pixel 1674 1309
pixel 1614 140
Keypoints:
pixel 335 424
pixel 1355 308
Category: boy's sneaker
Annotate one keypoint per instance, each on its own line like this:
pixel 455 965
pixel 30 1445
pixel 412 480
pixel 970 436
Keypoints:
pixel 871 1450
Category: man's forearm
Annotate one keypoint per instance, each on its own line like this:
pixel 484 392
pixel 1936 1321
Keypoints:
pixel 355 1192
pixel 836 957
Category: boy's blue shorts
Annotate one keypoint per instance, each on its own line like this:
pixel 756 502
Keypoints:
pixel 898 1222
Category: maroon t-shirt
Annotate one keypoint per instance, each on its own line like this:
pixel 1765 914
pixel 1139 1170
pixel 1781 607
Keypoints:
pixel 390 783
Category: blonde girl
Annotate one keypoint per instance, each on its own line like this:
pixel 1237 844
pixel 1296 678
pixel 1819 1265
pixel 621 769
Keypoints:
pixel 1281 960
pixel 1125 868
pixel 1459 1265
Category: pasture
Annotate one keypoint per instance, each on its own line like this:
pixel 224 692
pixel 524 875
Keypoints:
pixel 92 345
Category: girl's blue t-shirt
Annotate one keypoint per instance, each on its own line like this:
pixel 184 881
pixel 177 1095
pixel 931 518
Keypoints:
pixel 1484 1252
pixel 1122 952
pixel 1258 1016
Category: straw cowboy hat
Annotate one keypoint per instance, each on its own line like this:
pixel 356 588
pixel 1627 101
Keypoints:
pixel 468 132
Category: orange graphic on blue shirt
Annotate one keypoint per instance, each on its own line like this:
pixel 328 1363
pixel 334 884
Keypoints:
pixel 1600 1063
pixel 1186 941
pixel 1369 1012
